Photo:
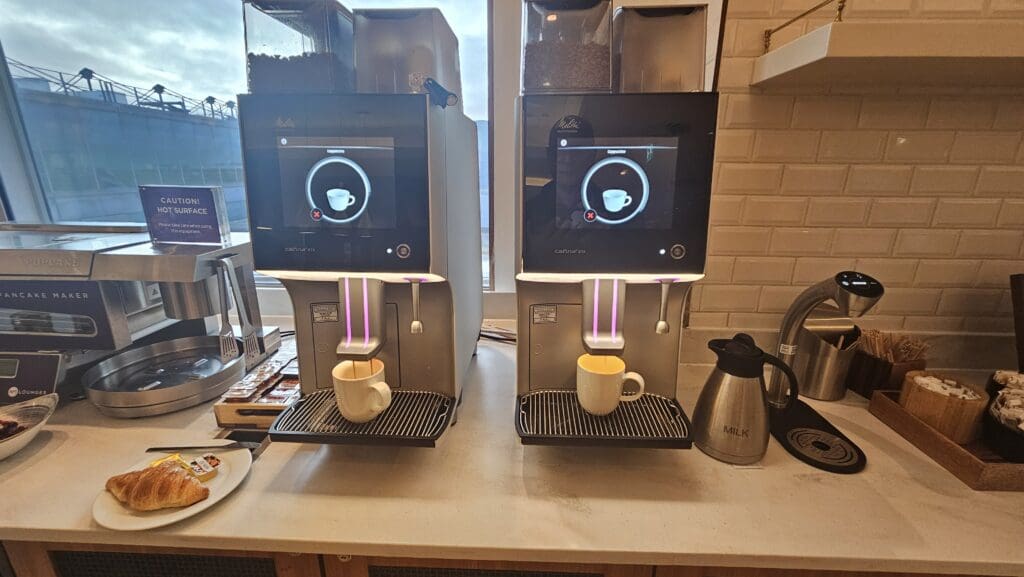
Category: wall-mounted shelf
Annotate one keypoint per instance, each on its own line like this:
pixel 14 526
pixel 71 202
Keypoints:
pixel 975 53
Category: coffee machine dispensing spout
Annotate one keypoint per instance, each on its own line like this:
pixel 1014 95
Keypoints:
pixel 662 327
pixel 361 301
pixel 416 327
pixel 855 293
pixel 604 301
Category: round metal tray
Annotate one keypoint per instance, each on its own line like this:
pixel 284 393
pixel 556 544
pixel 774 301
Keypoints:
pixel 164 408
pixel 165 373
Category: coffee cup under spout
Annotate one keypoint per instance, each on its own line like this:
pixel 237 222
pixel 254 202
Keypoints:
pixel 600 380
pixel 360 390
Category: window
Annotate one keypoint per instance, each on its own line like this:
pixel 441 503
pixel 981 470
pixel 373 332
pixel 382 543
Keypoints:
pixel 129 93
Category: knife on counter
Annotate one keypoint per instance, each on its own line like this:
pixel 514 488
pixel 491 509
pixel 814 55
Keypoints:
pixel 228 446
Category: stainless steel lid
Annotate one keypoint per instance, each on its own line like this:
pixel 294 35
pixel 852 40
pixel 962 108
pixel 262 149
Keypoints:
pixel 168 262
pixel 57 250
pixel 161 373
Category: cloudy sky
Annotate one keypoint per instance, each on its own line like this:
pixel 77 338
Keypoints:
pixel 195 47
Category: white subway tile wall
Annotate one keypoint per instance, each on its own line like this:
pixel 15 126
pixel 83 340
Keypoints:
pixel 944 180
pixel 897 272
pixel 922 187
pixel 813 179
pixel 875 180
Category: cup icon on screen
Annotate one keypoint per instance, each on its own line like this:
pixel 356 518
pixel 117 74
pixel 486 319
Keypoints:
pixel 340 199
pixel 615 199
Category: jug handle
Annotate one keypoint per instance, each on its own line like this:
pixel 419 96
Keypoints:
pixel 794 389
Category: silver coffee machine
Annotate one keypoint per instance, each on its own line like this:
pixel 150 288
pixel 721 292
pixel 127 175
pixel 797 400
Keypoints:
pixel 366 206
pixel 87 309
pixel 615 182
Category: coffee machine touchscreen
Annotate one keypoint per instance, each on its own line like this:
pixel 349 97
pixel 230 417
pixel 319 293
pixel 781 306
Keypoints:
pixel 346 182
pixel 615 182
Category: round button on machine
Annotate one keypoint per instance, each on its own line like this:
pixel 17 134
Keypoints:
pixel 403 250
pixel 677 251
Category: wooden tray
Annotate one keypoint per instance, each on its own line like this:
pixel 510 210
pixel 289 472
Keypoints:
pixel 256 413
pixel 249 415
pixel 974 464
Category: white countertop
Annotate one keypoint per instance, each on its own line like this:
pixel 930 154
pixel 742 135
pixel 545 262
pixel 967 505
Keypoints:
pixel 482 495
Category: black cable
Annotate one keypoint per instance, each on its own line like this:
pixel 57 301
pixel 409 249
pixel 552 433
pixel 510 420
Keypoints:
pixel 498 337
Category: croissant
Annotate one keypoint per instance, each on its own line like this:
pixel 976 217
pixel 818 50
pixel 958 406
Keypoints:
pixel 155 488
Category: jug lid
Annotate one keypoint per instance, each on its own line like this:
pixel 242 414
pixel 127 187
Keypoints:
pixel 739 356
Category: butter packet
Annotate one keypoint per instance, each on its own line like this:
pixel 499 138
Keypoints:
pixel 212 459
pixel 174 457
pixel 202 468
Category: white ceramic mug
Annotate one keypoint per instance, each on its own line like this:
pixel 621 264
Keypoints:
pixel 360 389
pixel 599 382
pixel 340 199
pixel 615 199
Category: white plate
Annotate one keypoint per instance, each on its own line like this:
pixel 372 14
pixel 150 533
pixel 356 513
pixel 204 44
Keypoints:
pixel 33 414
pixel 234 466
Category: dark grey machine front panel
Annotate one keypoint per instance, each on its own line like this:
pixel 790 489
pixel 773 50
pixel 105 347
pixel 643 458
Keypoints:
pixel 617 183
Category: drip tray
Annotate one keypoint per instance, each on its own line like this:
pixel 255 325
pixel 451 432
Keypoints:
pixel 556 418
pixel 415 418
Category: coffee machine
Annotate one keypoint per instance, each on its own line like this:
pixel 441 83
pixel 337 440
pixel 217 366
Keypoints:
pixel 365 205
pixel 615 183
pixel 90 309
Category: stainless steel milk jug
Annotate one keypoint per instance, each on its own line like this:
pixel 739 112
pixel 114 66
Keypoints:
pixel 730 420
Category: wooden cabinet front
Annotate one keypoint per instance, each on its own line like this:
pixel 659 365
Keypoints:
pixel 344 566
pixel 749 572
pixel 71 560
pixel 68 560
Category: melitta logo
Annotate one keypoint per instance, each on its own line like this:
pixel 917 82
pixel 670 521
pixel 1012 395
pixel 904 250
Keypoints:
pixel 570 251
pixel 571 122
pixel 736 431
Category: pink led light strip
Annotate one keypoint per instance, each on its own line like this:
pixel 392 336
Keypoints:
pixel 348 315
pixel 366 314
pixel 597 299
pixel 615 309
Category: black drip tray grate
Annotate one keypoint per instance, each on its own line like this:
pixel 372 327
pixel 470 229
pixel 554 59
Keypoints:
pixel 556 418
pixel 415 418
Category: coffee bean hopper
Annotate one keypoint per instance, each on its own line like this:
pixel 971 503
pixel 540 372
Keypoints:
pixel 101 311
pixel 616 166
